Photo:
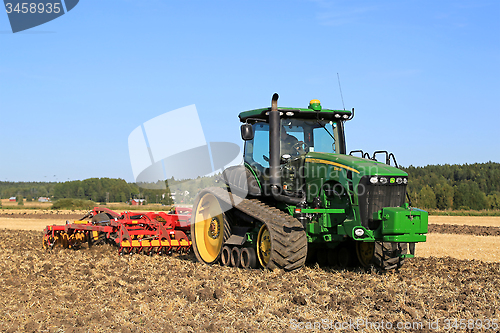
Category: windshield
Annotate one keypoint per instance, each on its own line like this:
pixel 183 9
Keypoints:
pixel 298 137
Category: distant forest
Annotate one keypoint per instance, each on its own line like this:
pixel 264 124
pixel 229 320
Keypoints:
pixel 468 186
pixel 459 187
pixel 107 190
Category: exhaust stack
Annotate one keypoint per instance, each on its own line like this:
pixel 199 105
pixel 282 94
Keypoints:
pixel 274 156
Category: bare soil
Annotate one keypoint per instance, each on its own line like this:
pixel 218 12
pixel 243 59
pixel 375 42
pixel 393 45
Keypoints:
pixel 95 290
pixel 491 221
pixel 466 247
pixel 477 230
pixel 38 214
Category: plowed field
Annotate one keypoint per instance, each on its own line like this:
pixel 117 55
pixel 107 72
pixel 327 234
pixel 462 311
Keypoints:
pixel 95 290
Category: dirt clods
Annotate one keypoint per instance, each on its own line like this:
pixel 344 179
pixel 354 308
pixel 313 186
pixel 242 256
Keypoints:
pixel 96 290
pixel 464 229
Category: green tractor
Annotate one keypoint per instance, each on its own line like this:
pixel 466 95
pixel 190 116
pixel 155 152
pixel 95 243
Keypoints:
pixel 300 197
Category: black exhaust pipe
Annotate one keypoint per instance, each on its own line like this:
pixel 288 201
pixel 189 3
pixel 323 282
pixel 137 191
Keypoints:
pixel 274 143
pixel 274 156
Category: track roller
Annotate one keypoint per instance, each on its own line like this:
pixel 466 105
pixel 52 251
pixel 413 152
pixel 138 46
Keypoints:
pixel 248 258
pixel 235 256
pixel 225 257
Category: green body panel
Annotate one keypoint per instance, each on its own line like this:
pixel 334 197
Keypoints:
pixel 356 164
pixel 347 228
pixel 402 224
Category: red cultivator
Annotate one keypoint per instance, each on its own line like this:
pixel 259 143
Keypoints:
pixel 131 232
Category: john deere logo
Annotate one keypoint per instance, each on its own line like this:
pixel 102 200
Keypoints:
pixel 28 14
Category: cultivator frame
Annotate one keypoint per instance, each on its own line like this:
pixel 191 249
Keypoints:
pixel 131 232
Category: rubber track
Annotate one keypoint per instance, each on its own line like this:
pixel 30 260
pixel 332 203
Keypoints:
pixel 288 237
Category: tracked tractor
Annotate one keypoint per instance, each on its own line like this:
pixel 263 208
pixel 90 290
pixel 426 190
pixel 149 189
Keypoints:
pixel 299 196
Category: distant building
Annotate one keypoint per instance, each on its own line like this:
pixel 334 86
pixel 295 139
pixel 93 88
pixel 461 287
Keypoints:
pixel 44 199
pixel 137 202
pixel 12 199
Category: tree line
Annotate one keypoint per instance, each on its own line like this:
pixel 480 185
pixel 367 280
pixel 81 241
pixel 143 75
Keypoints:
pixel 28 190
pixel 468 186
pixel 108 190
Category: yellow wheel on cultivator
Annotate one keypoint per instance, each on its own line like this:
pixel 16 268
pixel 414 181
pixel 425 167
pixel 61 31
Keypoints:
pixel 207 228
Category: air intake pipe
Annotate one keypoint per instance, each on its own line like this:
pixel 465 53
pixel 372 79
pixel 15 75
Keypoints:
pixel 274 156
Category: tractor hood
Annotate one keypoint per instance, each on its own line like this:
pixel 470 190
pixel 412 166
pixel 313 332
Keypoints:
pixel 358 165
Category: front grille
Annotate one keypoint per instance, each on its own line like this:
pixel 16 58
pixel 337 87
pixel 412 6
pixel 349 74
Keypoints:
pixel 376 197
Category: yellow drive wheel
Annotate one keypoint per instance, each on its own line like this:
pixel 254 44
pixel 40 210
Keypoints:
pixel 207 228
pixel 264 246
pixel 365 252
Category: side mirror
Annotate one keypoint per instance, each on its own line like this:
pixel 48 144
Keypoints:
pixel 246 132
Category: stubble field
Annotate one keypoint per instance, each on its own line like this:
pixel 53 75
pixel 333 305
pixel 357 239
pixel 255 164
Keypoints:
pixel 95 290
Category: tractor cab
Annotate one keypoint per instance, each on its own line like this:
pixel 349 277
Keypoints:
pixel 301 131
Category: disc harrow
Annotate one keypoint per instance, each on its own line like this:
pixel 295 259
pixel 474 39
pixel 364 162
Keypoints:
pixel 131 232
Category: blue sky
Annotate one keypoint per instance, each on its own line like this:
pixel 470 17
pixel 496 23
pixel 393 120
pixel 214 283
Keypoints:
pixel 423 77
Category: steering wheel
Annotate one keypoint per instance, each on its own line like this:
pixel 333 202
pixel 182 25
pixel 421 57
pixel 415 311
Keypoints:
pixel 300 146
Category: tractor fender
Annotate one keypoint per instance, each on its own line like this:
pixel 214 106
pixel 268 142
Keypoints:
pixel 241 181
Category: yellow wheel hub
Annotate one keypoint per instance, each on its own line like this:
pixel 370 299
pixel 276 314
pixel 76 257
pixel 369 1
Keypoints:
pixel 214 229
pixel 209 223
pixel 264 245
pixel 365 252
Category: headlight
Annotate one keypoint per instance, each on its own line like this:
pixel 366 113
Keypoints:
pixel 374 180
pixel 359 232
pixel 345 116
pixel 337 115
pixel 383 180
pixel 405 181
pixel 399 181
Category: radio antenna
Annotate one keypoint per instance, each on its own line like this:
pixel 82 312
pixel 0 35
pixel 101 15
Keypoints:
pixel 340 88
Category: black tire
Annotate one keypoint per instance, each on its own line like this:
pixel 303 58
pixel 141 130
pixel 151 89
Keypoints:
pixel 386 255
